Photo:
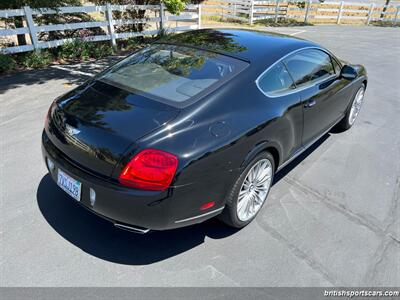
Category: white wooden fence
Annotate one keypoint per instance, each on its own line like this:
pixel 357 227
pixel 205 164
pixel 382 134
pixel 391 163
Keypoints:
pixel 161 19
pixel 313 10
pixel 242 10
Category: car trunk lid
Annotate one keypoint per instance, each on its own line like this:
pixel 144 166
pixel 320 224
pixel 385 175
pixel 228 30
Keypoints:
pixel 95 124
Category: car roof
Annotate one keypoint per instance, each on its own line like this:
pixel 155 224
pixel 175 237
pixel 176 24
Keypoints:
pixel 248 45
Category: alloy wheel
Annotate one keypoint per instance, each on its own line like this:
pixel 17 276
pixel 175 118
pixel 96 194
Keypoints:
pixel 356 106
pixel 254 190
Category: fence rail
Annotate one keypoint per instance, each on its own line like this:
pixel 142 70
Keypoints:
pixel 162 19
pixel 308 10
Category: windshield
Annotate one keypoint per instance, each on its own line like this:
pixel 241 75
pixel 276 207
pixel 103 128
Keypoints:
pixel 172 73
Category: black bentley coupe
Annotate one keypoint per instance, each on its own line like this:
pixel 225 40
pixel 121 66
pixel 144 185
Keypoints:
pixel 196 125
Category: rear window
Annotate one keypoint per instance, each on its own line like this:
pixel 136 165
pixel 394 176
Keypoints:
pixel 173 74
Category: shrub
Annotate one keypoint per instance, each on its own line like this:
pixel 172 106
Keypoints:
pixel 7 63
pixel 132 43
pixel 80 49
pixel 36 60
pixel 74 49
pixel 100 51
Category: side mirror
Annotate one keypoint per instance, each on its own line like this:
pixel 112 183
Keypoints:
pixel 348 72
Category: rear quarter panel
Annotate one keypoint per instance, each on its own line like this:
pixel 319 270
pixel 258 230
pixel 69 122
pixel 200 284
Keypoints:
pixel 215 138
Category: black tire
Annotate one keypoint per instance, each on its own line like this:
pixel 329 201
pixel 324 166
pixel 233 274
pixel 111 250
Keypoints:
pixel 229 214
pixel 345 124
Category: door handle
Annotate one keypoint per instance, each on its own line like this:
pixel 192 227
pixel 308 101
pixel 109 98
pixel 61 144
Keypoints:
pixel 310 103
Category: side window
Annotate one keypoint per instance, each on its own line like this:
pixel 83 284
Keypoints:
pixel 276 80
pixel 308 66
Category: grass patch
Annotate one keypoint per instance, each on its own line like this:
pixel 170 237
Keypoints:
pixel 282 22
pixel 212 18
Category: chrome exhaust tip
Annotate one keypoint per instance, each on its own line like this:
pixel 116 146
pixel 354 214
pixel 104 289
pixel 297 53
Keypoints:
pixel 132 228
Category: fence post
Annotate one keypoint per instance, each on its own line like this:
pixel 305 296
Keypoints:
pixel 162 16
pixel 199 16
pixel 396 15
pixel 31 27
pixel 276 11
pixel 251 13
pixel 371 11
pixel 111 25
pixel 307 10
pixel 340 12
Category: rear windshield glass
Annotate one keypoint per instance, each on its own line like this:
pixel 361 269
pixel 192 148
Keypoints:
pixel 172 74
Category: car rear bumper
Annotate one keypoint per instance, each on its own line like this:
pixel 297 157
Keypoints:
pixel 127 208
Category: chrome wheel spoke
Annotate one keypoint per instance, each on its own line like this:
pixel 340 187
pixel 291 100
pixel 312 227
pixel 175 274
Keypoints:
pixel 242 193
pixel 258 199
pixel 241 205
pixel 263 181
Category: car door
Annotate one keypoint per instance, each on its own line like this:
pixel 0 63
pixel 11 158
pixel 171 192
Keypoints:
pixel 318 83
pixel 286 129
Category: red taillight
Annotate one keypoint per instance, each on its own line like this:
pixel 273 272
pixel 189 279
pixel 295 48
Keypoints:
pixel 150 169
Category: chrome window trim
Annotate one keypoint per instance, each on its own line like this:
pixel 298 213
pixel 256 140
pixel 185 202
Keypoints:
pixel 296 89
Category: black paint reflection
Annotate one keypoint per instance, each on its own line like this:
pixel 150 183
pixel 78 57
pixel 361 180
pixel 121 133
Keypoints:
pixel 207 39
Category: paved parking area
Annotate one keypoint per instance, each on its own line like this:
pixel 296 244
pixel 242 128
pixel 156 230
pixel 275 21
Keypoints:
pixel 332 218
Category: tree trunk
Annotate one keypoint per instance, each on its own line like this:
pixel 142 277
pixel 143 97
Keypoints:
pixel 18 22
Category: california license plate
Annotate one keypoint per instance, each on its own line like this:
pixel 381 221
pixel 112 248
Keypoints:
pixel 70 185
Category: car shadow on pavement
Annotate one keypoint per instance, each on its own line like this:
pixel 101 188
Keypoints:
pixel 100 238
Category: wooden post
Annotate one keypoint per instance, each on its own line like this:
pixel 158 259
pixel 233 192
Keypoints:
pixel 396 15
pixel 307 10
pixel 371 11
pixel 340 12
pixel 111 25
pixel 199 16
pixel 251 13
pixel 276 11
pixel 31 27
pixel 162 16
pixel 384 9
